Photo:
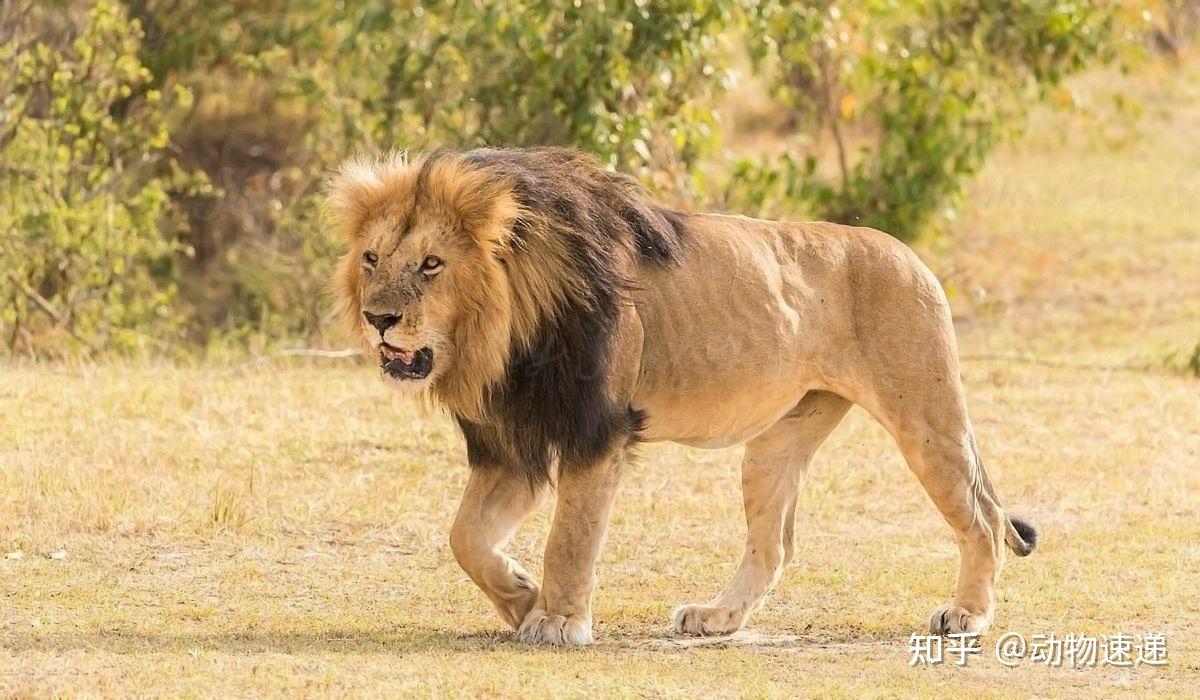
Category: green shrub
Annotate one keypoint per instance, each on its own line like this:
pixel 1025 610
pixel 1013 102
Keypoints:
pixel 86 229
pixel 287 90
pixel 904 100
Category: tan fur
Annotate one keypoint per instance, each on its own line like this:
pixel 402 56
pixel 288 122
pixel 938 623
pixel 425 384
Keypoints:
pixel 762 333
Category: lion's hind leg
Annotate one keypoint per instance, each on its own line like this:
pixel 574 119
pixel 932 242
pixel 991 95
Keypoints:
pixel 946 468
pixel 930 424
pixel 773 471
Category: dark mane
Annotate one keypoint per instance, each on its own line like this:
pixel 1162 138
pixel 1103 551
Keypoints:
pixel 575 192
pixel 554 403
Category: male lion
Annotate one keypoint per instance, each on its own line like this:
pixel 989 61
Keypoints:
pixel 561 317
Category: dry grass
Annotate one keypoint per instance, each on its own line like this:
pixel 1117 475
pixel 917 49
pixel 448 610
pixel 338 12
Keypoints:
pixel 281 529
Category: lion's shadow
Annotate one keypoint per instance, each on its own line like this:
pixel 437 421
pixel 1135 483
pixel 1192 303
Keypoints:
pixel 393 641
pixel 349 641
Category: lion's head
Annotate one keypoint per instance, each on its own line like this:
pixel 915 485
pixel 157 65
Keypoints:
pixel 494 278
pixel 422 284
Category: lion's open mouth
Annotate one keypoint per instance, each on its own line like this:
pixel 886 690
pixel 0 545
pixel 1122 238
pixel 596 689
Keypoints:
pixel 405 364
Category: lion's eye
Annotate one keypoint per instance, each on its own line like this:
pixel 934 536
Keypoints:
pixel 370 258
pixel 431 265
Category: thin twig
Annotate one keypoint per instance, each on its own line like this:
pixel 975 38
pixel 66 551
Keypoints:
pixel 1044 362
pixel 306 352
pixel 831 113
pixel 299 352
pixel 41 301
pixel 61 321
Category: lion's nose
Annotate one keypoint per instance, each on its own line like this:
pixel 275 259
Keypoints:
pixel 382 322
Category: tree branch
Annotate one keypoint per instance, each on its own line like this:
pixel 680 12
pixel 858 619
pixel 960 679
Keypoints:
pixel 1045 362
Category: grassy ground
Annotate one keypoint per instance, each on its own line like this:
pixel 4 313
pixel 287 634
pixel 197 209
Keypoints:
pixel 281 528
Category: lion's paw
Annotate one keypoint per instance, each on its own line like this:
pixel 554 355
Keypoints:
pixel 706 620
pixel 555 630
pixel 952 619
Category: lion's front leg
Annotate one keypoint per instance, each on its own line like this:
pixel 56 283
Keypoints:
pixel 563 614
pixel 493 505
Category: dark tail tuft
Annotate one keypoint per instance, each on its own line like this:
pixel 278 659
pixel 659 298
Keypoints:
pixel 1022 537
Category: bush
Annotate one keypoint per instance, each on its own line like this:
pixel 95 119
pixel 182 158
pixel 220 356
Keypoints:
pixel 88 249
pixel 284 91
pixel 903 101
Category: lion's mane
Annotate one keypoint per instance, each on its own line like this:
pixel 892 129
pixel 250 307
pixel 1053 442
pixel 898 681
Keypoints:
pixel 562 237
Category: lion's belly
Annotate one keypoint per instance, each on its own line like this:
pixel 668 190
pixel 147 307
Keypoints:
pixel 724 421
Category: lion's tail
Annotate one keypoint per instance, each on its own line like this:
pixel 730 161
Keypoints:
pixel 1021 537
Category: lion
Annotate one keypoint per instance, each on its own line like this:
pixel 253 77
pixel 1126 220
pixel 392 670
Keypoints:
pixel 562 317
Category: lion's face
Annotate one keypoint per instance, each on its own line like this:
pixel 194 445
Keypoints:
pixel 409 284
pixel 426 283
